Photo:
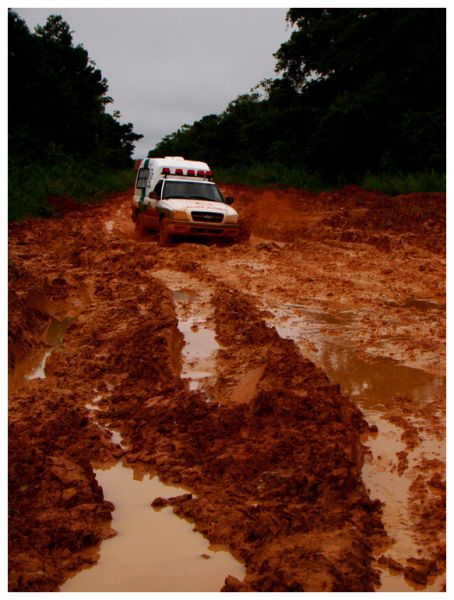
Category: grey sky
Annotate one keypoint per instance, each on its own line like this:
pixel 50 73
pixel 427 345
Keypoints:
pixel 170 66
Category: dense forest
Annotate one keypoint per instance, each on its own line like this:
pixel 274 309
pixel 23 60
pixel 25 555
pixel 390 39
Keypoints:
pixel 357 91
pixel 61 139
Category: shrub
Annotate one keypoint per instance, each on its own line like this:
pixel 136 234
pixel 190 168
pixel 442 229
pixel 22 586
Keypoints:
pixel 31 185
pixel 404 183
pixel 270 174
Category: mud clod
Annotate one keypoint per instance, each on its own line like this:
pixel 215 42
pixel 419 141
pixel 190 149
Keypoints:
pixel 270 449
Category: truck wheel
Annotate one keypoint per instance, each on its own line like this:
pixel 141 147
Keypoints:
pixel 165 238
pixel 245 232
pixel 140 230
pixel 225 242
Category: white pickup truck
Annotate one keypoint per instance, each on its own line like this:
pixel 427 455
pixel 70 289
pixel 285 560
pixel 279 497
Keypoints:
pixel 177 197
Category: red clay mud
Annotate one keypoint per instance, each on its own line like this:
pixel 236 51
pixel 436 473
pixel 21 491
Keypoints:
pixel 272 452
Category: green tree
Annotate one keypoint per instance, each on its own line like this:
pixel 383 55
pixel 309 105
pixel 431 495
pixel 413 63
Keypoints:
pixel 376 79
pixel 360 89
pixel 58 98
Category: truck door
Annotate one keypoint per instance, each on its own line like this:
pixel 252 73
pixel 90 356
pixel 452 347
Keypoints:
pixel 151 215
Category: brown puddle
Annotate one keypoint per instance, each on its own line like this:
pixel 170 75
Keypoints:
pixel 194 313
pixel 157 551
pixel 94 410
pixel 198 352
pixel 372 383
pixel 375 384
pixel 33 367
pixel 153 551
pixel 183 295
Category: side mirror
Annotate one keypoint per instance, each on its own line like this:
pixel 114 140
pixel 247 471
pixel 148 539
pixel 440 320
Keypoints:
pixel 154 195
pixel 229 200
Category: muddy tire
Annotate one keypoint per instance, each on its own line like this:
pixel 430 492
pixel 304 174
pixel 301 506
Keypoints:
pixel 165 238
pixel 225 243
pixel 140 231
pixel 245 232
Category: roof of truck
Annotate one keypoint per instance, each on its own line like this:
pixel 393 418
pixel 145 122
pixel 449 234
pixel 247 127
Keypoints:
pixel 175 161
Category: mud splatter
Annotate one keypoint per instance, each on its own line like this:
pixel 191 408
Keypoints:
pixel 274 462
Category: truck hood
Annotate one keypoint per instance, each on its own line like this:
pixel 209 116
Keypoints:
pixel 206 205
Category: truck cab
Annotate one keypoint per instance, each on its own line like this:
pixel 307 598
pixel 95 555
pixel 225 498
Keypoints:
pixel 177 197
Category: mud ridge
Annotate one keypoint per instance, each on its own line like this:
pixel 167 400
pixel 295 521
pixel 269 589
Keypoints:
pixel 271 457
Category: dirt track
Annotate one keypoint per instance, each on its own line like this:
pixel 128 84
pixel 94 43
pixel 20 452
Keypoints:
pixel 285 446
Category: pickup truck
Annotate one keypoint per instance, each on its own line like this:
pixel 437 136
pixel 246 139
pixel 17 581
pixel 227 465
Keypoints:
pixel 177 197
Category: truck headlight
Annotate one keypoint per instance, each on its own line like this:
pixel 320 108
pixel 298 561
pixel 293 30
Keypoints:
pixel 231 219
pixel 180 215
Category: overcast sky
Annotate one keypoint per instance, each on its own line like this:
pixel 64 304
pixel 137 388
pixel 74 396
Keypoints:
pixel 170 66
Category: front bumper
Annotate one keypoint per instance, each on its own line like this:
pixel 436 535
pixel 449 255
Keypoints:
pixel 176 227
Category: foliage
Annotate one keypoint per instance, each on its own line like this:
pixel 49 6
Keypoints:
pixel 58 99
pixel 270 174
pixel 404 183
pixel 361 90
pixel 379 76
pixel 32 185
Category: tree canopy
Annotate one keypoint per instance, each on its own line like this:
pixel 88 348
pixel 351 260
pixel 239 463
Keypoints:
pixel 358 90
pixel 58 99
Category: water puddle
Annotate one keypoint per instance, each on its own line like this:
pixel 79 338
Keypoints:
pixel 198 352
pixel 94 410
pixel 321 316
pixel 153 551
pixel 39 371
pixel 374 385
pixel 157 551
pixel 372 382
pixel 184 295
pixel 33 367
pixel 195 321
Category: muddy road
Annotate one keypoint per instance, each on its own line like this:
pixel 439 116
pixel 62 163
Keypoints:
pixel 291 389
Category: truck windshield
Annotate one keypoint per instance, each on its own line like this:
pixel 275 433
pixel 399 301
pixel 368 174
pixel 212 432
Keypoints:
pixel 197 190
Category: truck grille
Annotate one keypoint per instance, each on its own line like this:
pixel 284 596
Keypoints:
pixel 207 217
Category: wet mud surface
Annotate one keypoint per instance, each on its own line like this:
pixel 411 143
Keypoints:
pixel 292 385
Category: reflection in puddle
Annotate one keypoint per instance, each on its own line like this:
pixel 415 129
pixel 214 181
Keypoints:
pixel 38 372
pixel 57 330
pixel 194 312
pixel 117 438
pixel 322 316
pixel 198 352
pixel 200 347
pixel 183 295
pixel 95 411
pixel 383 481
pixel 34 366
pixel 373 385
pixel 153 551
